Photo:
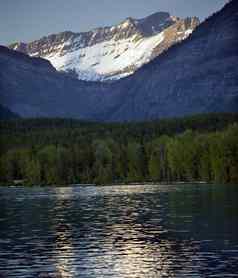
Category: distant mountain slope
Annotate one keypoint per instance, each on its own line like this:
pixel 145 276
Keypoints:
pixel 6 114
pixel 32 87
pixel 111 52
pixel 199 75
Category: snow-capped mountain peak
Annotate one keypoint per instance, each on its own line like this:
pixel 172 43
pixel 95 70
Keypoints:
pixel 112 52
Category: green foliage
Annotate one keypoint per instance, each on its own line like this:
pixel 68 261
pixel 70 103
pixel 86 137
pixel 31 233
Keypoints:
pixel 135 161
pixel 33 172
pixel 158 159
pixel 102 166
pixel 224 153
pixel 58 151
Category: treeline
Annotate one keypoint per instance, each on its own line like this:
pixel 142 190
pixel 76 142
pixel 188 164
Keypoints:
pixel 57 151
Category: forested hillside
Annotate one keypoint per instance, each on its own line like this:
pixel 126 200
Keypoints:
pixel 58 151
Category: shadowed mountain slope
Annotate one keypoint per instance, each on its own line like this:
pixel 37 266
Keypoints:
pixel 199 75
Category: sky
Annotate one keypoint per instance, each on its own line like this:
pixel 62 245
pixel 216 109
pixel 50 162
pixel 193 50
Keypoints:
pixel 27 20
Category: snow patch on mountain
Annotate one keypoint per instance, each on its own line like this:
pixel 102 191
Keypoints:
pixel 107 58
pixel 110 53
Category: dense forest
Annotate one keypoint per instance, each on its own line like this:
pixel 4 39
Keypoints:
pixel 60 151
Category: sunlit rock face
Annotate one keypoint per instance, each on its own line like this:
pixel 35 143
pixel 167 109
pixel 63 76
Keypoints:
pixel 114 52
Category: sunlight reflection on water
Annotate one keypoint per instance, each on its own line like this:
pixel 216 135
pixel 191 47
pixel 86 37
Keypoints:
pixel 119 231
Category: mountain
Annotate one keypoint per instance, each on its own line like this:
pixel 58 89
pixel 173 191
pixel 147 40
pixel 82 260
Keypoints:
pixel 31 87
pixel 111 52
pixel 6 114
pixel 197 75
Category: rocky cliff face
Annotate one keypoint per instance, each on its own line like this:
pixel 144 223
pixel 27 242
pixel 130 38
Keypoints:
pixel 111 52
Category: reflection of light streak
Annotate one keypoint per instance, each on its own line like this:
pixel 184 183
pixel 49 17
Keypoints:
pixel 64 251
pixel 125 253
pixel 64 254
pixel 64 193
pixel 125 249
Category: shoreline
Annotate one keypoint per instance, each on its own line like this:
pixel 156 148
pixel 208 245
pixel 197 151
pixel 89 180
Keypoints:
pixel 108 185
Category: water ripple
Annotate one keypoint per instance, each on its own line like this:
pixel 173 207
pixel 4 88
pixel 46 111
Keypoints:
pixel 120 231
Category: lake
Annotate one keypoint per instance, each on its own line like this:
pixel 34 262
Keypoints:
pixel 186 230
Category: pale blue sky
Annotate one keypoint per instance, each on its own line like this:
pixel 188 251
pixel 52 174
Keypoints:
pixel 26 20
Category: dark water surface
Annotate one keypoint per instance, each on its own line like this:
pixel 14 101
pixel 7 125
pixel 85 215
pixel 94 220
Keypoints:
pixel 119 231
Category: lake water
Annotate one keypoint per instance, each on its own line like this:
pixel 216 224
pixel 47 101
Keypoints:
pixel 119 231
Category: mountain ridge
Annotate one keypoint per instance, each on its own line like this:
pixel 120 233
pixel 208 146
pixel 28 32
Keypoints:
pixel 175 74
pixel 198 75
pixel 111 52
